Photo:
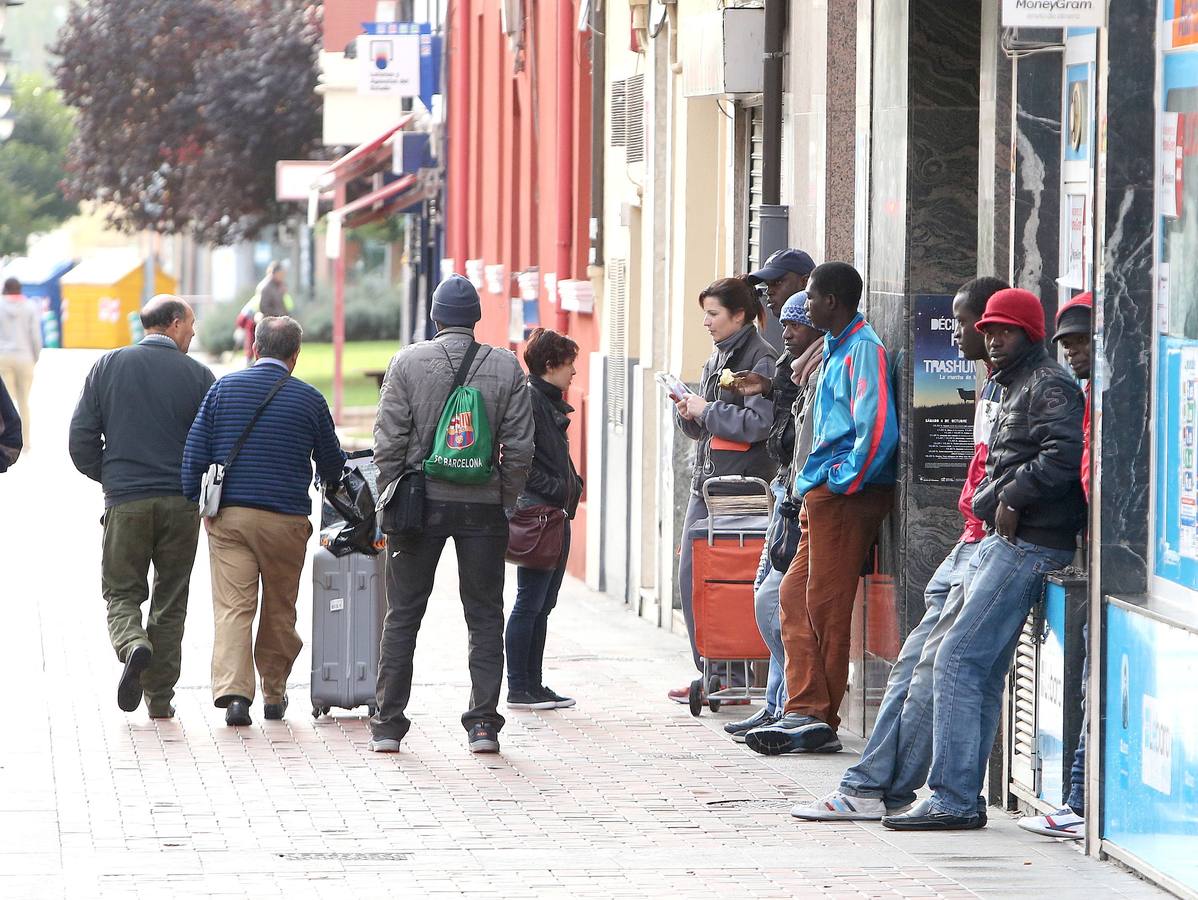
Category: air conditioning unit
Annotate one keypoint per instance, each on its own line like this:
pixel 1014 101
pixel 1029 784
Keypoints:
pixel 722 53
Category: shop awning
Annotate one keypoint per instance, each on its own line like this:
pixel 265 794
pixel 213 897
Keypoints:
pixel 365 208
pixel 365 158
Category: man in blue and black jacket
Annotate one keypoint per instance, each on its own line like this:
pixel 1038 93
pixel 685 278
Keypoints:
pixel 847 486
pixel 261 530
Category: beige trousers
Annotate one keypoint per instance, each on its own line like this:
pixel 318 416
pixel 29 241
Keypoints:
pixel 247 546
pixel 17 374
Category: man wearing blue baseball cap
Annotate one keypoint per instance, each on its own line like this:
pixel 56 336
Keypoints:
pixel 784 274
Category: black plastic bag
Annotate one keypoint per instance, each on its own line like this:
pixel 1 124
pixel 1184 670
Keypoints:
pixel 348 520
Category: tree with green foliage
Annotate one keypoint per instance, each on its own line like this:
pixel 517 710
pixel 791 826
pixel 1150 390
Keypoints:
pixel 31 165
pixel 185 106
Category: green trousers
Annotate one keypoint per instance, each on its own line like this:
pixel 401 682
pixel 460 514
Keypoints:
pixel 163 531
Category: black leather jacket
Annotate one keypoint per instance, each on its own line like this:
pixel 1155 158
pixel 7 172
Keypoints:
pixel 781 442
pixel 552 478
pixel 1034 463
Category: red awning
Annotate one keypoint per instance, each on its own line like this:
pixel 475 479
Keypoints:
pixel 360 208
pixel 364 158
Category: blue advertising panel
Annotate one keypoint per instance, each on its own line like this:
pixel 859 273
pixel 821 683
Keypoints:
pixel 1175 554
pixel 1050 695
pixel 1150 770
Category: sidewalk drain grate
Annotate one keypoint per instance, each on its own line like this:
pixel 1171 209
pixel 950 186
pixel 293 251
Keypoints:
pixel 387 856
pixel 781 803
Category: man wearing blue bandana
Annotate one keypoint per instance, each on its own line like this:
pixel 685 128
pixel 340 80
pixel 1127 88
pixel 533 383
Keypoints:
pixel 802 342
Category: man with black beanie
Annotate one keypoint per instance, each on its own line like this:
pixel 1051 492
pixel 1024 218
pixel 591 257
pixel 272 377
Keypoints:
pixel 419 381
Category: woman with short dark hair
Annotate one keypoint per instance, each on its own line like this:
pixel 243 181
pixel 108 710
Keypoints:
pixel 552 481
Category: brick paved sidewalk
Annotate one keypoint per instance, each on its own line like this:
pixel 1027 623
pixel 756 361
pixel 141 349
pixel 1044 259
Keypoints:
pixel 625 795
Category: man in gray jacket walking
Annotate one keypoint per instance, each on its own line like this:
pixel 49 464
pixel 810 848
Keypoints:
pixel 415 389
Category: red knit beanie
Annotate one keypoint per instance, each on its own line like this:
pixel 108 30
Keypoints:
pixel 1015 306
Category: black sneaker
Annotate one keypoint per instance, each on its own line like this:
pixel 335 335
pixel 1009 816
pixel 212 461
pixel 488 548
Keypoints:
pixel 759 719
pixel 528 700
pixel 793 733
pixel 128 689
pixel 238 712
pixel 483 738
pixel 559 702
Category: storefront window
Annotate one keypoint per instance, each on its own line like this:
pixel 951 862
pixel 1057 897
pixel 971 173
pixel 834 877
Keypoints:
pixel 1176 518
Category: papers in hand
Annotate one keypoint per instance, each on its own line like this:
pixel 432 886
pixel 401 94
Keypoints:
pixel 672 385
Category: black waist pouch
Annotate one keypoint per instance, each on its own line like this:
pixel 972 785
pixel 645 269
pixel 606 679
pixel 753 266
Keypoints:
pixel 401 506
pixel 783 538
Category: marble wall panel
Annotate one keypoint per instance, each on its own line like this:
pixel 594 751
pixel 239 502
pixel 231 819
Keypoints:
pixel 994 151
pixel 944 53
pixel 1125 327
pixel 942 199
pixel 888 200
pixel 1036 226
pixel 890 48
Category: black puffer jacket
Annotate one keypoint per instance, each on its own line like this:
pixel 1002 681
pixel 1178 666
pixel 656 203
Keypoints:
pixel 552 478
pixel 1034 463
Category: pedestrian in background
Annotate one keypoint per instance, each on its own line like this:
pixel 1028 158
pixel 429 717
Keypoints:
pixel 20 347
pixel 127 433
pixel 272 292
pixel 10 430
pixel 847 488
pixel 419 380
pixel 261 531
pixel 730 430
pixel 552 481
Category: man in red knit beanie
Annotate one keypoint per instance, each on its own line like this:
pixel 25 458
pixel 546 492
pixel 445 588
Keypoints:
pixel 1031 502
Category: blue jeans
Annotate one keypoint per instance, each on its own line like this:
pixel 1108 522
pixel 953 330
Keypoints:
pixel 894 764
pixel 528 623
pixel 769 621
pixel 1004 581
pixel 1076 800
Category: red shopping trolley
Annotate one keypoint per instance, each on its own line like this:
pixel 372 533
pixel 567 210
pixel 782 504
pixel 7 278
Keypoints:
pixel 726 548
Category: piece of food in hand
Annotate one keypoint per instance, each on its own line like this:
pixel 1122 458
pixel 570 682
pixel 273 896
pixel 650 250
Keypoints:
pixel 727 379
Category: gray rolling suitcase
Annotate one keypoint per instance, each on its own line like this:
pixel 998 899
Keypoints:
pixel 348 605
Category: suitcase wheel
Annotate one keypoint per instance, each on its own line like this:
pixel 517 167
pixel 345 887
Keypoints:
pixel 712 687
pixel 696 697
pixel 318 711
pixel 372 711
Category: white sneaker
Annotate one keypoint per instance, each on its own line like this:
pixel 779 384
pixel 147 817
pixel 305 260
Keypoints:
pixel 1064 823
pixel 838 805
pixel 383 745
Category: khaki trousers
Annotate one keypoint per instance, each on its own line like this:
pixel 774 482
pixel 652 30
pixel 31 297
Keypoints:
pixel 17 374
pixel 818 591
pixel 247 546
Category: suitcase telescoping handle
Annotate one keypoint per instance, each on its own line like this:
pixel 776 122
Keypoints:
pixel 735 480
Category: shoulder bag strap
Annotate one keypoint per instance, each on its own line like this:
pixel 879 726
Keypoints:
pixel 245 433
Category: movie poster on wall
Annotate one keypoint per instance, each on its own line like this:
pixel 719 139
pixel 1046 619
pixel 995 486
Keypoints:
pixel 945 388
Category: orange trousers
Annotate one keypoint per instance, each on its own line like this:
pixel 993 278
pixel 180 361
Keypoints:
pixel 817 594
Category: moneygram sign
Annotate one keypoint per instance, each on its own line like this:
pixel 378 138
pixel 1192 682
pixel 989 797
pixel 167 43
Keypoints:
pixel 1054 13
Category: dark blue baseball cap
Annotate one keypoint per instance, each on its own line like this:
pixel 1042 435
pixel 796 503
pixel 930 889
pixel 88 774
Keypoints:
pixel 783 261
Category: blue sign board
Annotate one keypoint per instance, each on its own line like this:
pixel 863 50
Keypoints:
pixel 1150 757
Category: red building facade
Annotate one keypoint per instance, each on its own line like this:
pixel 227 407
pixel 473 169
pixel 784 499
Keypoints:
pixel 519 177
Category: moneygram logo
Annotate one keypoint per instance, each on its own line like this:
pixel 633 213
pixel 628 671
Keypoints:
pixel 1054 5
